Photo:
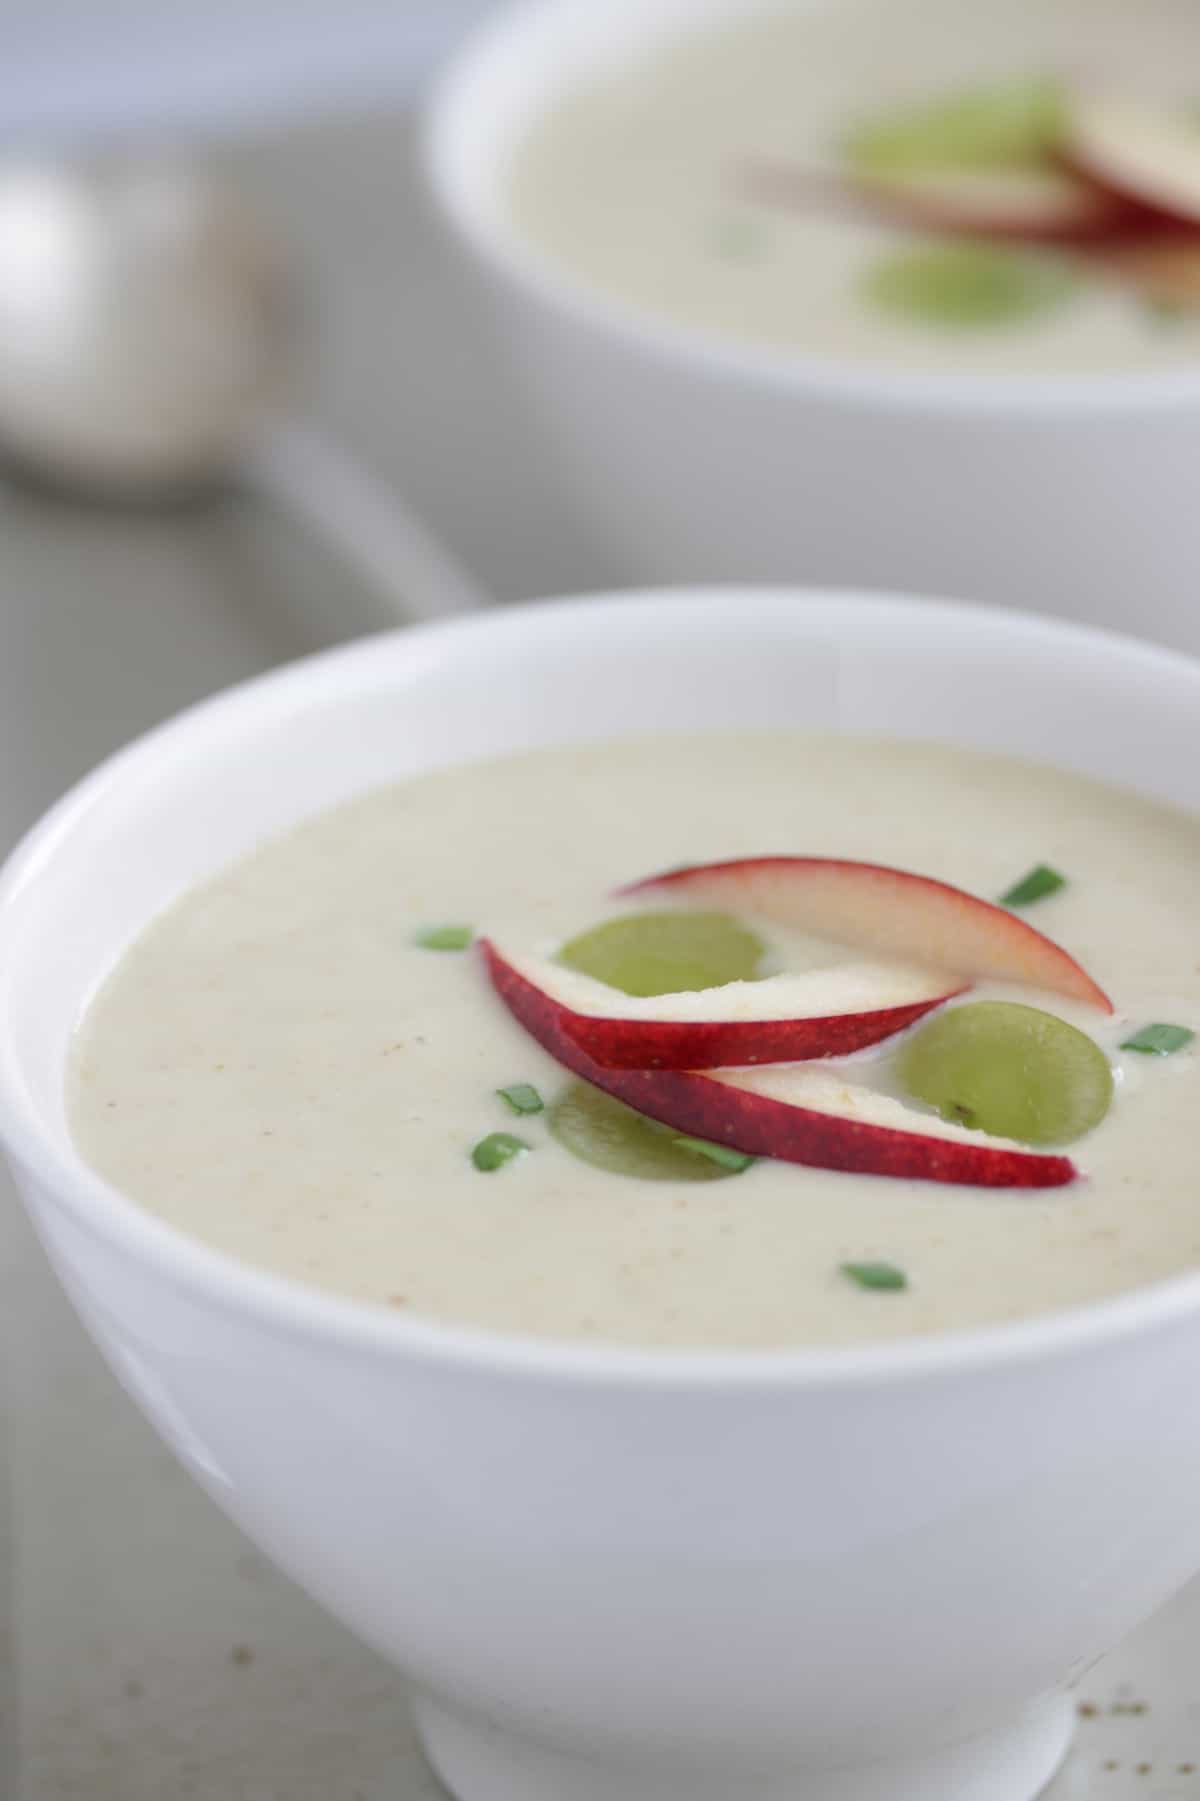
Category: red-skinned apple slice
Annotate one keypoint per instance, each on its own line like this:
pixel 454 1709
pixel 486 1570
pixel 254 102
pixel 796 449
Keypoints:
pixel 1050 207
pixel 1138 152
pixel 890 912
pixel 784 1019
pixel 798 1115
pixel 1034 206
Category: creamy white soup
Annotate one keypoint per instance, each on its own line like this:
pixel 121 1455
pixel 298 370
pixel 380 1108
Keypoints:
pixel 712 177
pixel 301 1062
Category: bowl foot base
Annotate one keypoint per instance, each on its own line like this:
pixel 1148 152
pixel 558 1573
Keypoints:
pixel 1011 1763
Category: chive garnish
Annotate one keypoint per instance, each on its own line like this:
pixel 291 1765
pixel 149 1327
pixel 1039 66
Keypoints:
pixel 1158 1040
pixel 1041 881
pixel 737 237
pixel 880 1276
pixel 497 1149
pixel 522 1097
pixel 716 1153
pixel 445 938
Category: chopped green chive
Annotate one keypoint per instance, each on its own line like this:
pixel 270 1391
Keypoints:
pixel 445 938
pixel 881 1276
pixel 1041 881
pixel 737 237
pixel 497 1149
pixel 716 1153
pixel 1158 1040
pixel 522 1097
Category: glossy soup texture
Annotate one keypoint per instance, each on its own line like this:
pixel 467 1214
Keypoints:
pixel 632 180
pixel 278 1068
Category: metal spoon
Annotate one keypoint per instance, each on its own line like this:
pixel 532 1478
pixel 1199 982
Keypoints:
pixel 149 346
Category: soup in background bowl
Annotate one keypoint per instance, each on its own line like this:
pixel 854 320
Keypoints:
pixel 884 184
pixel 610 1568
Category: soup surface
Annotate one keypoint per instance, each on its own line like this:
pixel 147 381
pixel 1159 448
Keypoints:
pixel 285 1067
pixel 643 179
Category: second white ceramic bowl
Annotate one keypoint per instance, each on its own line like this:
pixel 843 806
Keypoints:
pixel 613 1575
pixel 697 458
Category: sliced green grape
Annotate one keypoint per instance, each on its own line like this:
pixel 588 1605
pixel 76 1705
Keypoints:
pixel 611 1136
pixel 1011 1070
pixel 666 953
pixel 1015 124
pixel 966 286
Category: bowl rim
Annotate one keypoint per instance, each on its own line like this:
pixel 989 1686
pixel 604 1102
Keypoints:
pixel 306 1313
pixel 482 227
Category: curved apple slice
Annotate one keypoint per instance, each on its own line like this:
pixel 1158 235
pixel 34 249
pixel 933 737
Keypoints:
pixel 890 912
pixel 1035 206
pixel 1140 153
pixel 806 1116
pixel 877 1134
pixel 784 1019
pixel 1050 206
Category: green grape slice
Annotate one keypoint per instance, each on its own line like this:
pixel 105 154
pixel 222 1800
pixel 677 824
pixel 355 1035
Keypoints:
pixel 966 286
pixel 1013 124
pixel 666 953
pixel 1010 1070
pixel 611 1136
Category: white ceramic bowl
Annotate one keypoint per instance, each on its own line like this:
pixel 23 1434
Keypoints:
pixel 616 1575
pixel 696 458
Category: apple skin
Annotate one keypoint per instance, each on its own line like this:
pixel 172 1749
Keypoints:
pixel 891 911
pixel 725 1044
pixel 730 1112
pixel 796 1022
pixel 1138 154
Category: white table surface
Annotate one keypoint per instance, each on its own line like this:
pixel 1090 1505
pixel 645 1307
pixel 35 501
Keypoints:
pixel 157 1656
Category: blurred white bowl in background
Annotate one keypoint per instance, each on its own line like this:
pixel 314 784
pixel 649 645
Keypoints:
pixel 700 458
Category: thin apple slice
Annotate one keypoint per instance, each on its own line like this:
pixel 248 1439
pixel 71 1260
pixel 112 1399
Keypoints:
pixel 1051 207
pixel 783 1019
pixel 890 912
pixel 875 1133
pixel 1034 206
pixel 1138 152
pixel 797 1115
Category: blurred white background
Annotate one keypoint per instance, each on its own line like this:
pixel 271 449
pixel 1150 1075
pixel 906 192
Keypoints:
pixel 146 66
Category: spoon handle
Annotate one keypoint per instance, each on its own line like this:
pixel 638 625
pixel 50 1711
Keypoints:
pixel 411 573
